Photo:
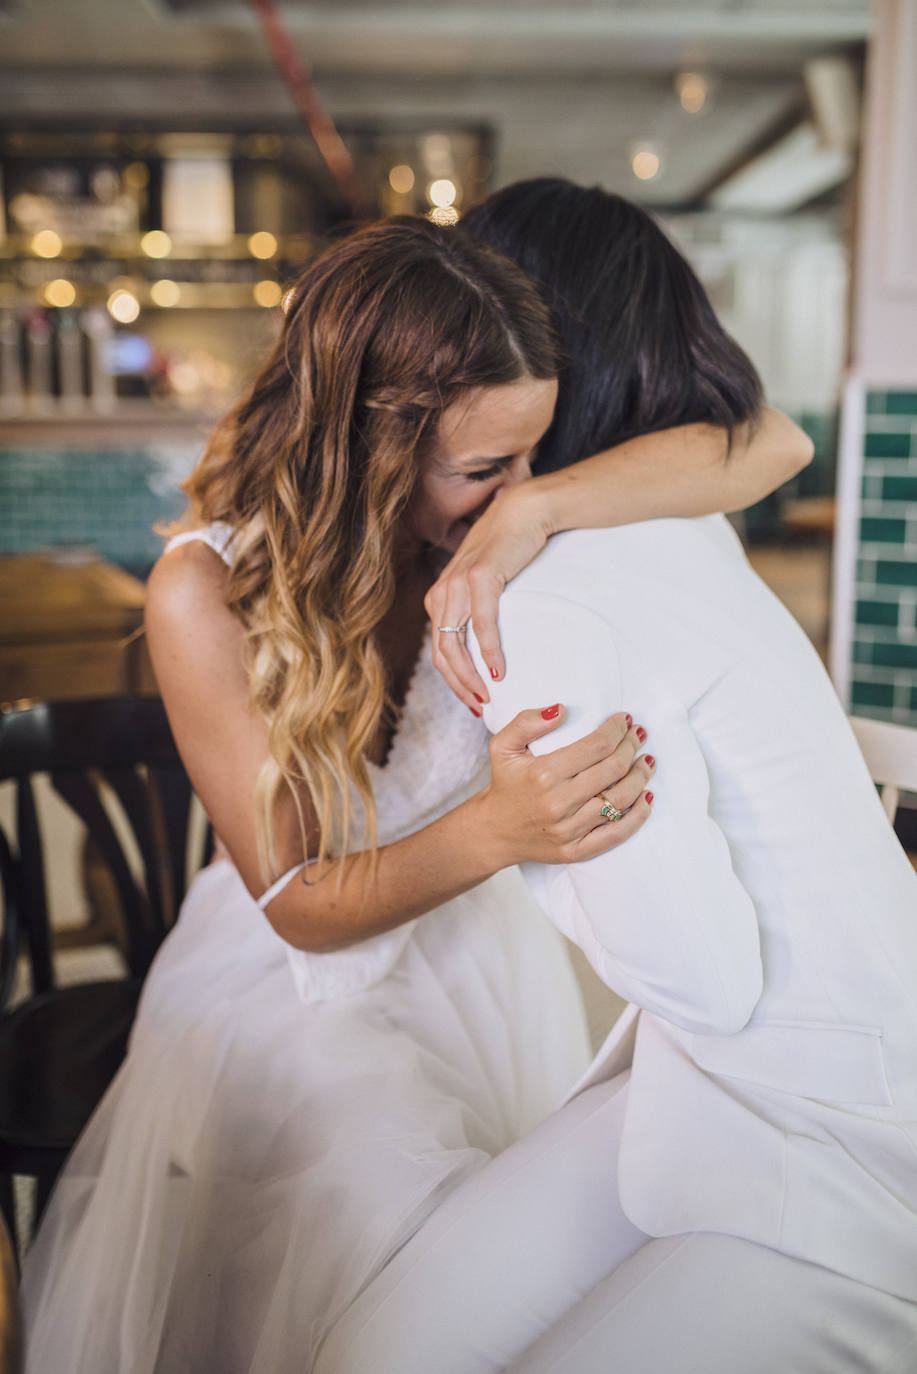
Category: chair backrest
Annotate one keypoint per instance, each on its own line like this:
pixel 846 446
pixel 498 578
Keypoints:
pixel 86 747
pixel 890 752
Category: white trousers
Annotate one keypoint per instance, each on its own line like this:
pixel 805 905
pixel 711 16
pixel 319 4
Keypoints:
pixel 532 1266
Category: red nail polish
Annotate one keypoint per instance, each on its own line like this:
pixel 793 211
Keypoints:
pixel 477 698
pixel 494 674
pixel 650 760
pixel 641 733
pixel 474 712
pixel 649 798
pixel 630 721
pixel 551 712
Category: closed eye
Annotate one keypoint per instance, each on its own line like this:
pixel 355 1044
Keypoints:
pixel 485 474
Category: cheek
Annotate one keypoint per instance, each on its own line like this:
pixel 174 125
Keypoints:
pixel 431 511
pixel 469 500
pixel 442 503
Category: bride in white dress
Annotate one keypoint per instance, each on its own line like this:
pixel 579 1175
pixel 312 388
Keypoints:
pixel 323 1049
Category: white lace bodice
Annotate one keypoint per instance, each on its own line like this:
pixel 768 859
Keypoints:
pixel 438 758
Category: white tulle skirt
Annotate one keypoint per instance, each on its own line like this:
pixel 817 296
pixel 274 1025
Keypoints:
pixel 258 1159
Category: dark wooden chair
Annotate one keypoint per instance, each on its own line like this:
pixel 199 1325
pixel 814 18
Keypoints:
pixel 60 1048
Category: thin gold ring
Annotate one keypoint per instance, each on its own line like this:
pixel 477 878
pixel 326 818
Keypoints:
pixel 609 810
pixel 453 629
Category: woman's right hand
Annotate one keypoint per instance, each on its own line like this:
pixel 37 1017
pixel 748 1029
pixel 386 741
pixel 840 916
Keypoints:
pixel 547 808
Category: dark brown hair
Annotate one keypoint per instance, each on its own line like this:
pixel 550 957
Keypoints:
pixel 645 350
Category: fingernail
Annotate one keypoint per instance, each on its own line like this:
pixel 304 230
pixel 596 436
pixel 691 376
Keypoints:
pixel 495 674
pixel 641 733
pixel 649 798
pixel 650 760
pixel 551 712
pixel 474 712
pixel 477 698
pixel 630 721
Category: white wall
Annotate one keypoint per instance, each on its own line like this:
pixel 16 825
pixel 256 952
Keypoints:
pixel 780 287
pixel 885 299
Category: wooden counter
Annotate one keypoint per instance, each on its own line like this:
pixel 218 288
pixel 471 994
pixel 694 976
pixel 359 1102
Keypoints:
pixel 69 628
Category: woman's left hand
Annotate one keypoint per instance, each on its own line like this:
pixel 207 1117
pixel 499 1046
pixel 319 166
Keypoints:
pixel 504 540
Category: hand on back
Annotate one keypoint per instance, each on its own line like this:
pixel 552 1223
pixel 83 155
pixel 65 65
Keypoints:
pixel 560 808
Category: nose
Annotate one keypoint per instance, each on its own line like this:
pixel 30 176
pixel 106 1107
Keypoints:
pixel 519 470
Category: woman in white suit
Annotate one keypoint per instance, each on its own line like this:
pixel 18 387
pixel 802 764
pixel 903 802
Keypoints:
pixel 732 1189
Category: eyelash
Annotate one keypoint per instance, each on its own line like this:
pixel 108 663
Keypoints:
pixel 485 474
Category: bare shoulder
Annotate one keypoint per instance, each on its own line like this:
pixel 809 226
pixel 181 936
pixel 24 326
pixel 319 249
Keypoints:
pixel 196 643
pixel 197 646
pixel 186 599
pixel 187 579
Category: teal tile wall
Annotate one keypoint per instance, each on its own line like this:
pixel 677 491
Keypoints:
pixel 103 499
pixel 763 521
pixel 884 668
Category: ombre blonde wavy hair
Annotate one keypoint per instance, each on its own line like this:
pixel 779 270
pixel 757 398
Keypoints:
pixel 315 469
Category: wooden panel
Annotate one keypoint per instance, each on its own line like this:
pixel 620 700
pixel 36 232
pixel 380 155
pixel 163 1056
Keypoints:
pixel 70 630
pixel 51 672
pixel 43 598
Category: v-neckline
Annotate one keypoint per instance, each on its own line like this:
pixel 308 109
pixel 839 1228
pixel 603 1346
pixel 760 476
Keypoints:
pixel 404 710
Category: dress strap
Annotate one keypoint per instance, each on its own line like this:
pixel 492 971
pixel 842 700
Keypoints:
pixel 276 888
pixel 217 536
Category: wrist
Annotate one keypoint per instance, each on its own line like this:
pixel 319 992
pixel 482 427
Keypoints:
pixel 538 505
pixel 552 498
pixel 484 839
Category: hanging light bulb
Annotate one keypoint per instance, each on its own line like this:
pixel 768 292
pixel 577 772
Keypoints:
pixel 443 192
pixel 165 293
pixel 645 160
pixel 693 91
pixel 401 179
pixel 123 306
pixel 59 292
pixel 267 293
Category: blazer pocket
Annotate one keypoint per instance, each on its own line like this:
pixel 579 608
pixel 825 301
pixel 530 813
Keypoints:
pixel 827 1062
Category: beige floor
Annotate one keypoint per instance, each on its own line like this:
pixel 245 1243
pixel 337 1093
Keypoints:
pixel 800 574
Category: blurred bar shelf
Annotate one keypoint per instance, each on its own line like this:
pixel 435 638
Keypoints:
pixel 129 422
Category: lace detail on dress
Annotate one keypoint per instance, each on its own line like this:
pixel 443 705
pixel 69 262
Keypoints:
pixel 438 758
pixel 217 536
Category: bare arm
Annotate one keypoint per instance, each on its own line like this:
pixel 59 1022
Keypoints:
pixel 689 471
pixel 530 809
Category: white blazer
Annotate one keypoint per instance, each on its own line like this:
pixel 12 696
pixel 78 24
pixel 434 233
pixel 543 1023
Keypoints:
pixel 763 923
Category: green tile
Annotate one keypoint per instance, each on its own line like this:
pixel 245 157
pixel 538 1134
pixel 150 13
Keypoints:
pixel 877 613
pixel 872 694
pixel 887 446
pixel 875 402
pixel 896 574
pixel 899 488
pixel 883 531
pixel 894 655
pixel 914 698
pixel 862 652
pixel 901 403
